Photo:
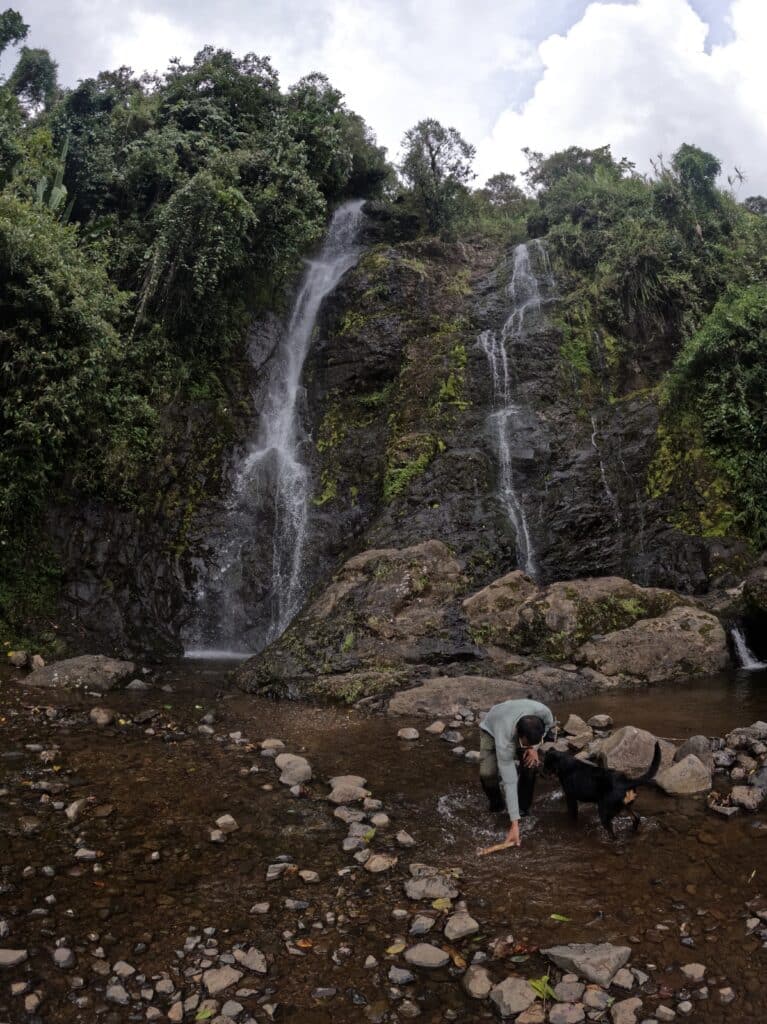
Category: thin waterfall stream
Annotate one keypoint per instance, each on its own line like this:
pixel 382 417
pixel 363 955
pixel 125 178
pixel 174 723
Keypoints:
pixel 508 414
pixel 272 485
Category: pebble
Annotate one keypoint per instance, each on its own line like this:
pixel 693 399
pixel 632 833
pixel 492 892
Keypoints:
pixel 408 734
pixel 459 926
pixel 436 728
pixel 64 958
pixel 694 972
pixel 259 908
pixel 404 838
pixel 310 877
pixel 217 836
pixel 218 979
pixel 32 1002
pixel 421 924
pixel 380 820
pixel 624 979
pixel 101 716
pixel 371 804
pixel 117 994
pixel 726 995
pixel 569 991
pixel 227 823
pixel 685 1007
pixel 625 1012
pixel 566 1013
pixel 370 963
pixel 399 976
pixel 232 1008
pixel 85 854
pixel 176 1013
pixel 251 959
pixel 380 862
pixel 12 957
pixel 664 1013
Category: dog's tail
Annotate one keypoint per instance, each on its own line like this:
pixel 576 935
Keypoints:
pixel 649 775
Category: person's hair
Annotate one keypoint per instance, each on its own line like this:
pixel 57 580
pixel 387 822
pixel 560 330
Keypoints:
pixel 531 728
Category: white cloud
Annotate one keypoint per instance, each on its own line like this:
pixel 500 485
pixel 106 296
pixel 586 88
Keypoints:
pixel 638 77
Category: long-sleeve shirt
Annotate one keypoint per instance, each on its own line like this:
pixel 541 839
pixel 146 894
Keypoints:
pixel 501 723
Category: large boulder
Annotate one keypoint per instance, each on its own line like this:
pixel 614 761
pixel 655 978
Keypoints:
pixel 88 672
pixel 384 610
pixel 552 622
pixel 597 962
pixel 631 750
pixel 686 641
pixel 685 777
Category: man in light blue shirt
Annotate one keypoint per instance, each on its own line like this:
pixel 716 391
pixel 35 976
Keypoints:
pixel 510 736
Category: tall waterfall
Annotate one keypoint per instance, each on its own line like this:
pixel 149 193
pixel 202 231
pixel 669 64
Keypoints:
pixel 509 416
pixel 272 484
pixel 746 657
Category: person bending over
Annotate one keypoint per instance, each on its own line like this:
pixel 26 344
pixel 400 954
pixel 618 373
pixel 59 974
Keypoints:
pixel 510 736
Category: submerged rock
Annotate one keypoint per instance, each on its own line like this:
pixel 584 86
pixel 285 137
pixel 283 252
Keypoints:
pixel 597 962
pixel 512 996
pixel 425 955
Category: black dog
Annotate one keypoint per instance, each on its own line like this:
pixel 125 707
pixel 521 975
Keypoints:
pixel 610 790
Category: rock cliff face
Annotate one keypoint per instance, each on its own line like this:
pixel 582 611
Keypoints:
pixel 398 395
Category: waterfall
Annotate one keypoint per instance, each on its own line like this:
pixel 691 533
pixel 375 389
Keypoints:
pixel 746 658
pixel 272 484
pixel 509 417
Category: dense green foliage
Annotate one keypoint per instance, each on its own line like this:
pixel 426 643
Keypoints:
pixel 437 168
pixel 143 224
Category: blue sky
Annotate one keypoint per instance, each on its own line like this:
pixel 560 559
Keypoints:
pixel 642 75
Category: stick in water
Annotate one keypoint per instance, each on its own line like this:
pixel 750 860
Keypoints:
pixel 494 849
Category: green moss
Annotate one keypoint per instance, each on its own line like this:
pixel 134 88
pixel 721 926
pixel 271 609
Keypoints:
pixel 329 489
pixel 348 642
pixel 352 322
pixel 406 461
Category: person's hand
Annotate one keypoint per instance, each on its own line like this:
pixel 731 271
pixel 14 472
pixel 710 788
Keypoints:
pixel 530 758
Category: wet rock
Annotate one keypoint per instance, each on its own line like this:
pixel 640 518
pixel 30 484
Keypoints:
pixel 217 836
pixel 176 1013
pixel 101 716
pixel 408 734
pixel 726 995
pixel 664 1014
pixel 595 998
pixel 624 979
pixel 348 814
pixel 232 1008
pixel 348 780
pixel 217 979
pixel 597 962
pixel 567 1013
pixel 18 658
pixel 251 959
pixel 32 1002
pixel 12 957
pixel 5 928
pixel 272 743
pixel 575 726
pixel 685 778
pixel 569 991
pixel 476 982
pixel 64 958
pixel 86 855
pixel 436 728
pixel 512 996
pixel 437 696
pixel 117 994
pixel 629 750
pixel 399 976
pixel 344 793
pixel 379 862
pixel 380 820
pixel 625 1011
pixel 427 956
pixel 370 963
pixel 310 877
pixel 700 746
pixel 459 926
pixel 535 1014
pixel 227 824
pixel 295 769
pixel 123 970
pixel 685 1007
pixel 694 972
pixel 421 925
pixel 600 723
pixel 431 888
pixel 89 672
pixel 750 798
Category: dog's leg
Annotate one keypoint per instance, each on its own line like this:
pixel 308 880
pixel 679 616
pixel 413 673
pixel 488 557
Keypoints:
pixel 606 815
pixel 572 806
pixel 637 821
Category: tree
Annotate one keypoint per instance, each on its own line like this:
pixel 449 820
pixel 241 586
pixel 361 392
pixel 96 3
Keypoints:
pixel 34 79
pixel 12 28
pixel 437 166
pixel 756 204
pixel 502 191
pixel 544 171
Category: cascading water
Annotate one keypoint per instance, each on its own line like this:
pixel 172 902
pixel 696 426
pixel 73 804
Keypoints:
pixel 272 485
pixel 745 655
pixel 509 417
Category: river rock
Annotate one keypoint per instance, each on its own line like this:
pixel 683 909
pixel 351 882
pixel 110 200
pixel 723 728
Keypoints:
pixel 750 798
pixel 686 641
pixel 600 723
pixel 378 862
pixel 399 976
pixel 226 824
pixel 700 746
pixel 251 959
pixel 512 996
pixel 566 1013
pixel 431 888
pixel 631 750
pixel 625 1011
pixel 12 957
pixel 272 743
pixel 117 994
pixel 405 839
pixel 88 672
pixel 459 926
pixel 597 962
pixel 476 982
pixel 575 726
pixel 101 716
pixel 64 958
pixel 694 972
pixel 408 734
pixel 217 979
pixel 685 778
pixel 347 794
pixel 295 769
pixel 425 955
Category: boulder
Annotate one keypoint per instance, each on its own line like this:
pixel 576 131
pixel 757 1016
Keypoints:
pixel 512 996
pixel 494 611
pixel 575 726
pixel 684 642
pixel 295 769
pixel 630 750
pixel 597 962
pixel 88 672
pixel 685 777
pixel 701 747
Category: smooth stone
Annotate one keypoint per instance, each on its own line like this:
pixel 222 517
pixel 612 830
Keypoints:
pixel 12 957
pixel 218 979
pixel 399 976
pixel 64 958
pixel 624 979
pixel 101 716
pixel 476 982
pixel 625 1012
pixel 404 838
pixel 566 1013
pixel 378 862
pixel 425 955
pixel 408 734
pixel 348 780
pixel 295 769
pixel 459 926
pixel 226 823
pixel 117 994
pixel 344 793
pixel 694 972
pixel 569 991
pixel 685 778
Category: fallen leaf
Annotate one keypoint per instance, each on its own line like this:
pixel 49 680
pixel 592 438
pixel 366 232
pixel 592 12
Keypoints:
pixel 558 917
pixel 396 948
pixel 442 903
pixel 305 944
